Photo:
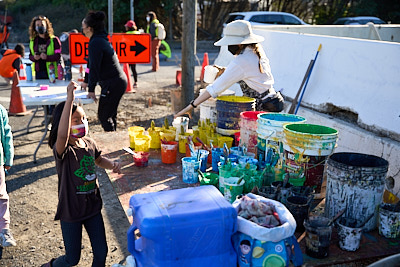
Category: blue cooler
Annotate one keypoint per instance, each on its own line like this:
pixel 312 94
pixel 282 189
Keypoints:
pixel 183 227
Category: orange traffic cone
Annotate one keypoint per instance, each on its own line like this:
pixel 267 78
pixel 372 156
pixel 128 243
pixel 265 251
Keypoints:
pixel 22 72
pixel 129 87
pixel 17 106
pixel 205 63
pixel 178 78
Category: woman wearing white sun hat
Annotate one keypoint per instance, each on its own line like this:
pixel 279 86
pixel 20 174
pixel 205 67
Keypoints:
pixel 250 68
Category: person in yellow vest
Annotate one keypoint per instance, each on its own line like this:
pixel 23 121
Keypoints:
pixel 44 47
pixel 11 61
pixel 130 27
pixel 152 23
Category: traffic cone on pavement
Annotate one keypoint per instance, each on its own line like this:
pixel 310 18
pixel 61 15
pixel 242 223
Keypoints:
pixel 205 63
pixel 129 87
pixel 17 106
pixel 22 72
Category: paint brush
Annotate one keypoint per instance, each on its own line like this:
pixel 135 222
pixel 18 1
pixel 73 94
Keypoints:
pixel 366 220
pixel 202 143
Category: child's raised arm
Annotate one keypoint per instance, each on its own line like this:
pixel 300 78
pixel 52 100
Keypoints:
pixel 65 120
pixel 106 163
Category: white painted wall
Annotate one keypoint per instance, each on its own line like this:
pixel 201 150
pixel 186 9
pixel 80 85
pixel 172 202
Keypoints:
pixel 358 75
pixel 386 32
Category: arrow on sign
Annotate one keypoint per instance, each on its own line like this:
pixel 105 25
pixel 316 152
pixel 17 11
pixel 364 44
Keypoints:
pixel 138 48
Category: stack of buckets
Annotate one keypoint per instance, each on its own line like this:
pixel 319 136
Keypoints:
pixel 270 138
pixel 248 130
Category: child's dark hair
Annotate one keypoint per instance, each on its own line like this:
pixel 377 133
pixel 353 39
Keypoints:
pixel 20 49
pixel 95 19
pixel 56 122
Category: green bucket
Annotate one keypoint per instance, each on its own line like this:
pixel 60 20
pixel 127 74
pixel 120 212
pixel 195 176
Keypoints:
pixel 232 189
pixel 209 179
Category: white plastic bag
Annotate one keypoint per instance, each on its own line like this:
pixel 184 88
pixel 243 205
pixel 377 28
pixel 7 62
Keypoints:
pixel 256 231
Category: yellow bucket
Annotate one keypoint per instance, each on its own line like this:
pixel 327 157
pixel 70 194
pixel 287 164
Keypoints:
pixel 183 141
pixel 225 139
pixel 134 131
pixel 169 135
pixel 155 142
pixel 142 143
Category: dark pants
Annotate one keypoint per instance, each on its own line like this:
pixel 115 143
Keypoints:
pixel 111 93
pixel 72 235
pixel 134 73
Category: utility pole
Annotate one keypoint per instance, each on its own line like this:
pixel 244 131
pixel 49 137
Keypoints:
pixel 110 17
pixel 188 50
pixel 132 10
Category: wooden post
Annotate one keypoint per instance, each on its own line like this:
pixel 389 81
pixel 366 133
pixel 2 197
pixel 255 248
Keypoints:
pixel 188 50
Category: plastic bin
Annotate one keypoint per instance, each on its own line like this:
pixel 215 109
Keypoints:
pixel 183 227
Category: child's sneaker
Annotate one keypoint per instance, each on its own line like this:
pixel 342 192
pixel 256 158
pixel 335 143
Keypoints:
pixel 6 238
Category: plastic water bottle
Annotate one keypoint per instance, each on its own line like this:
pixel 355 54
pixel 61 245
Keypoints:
pixel 68 73
pixel 81 76
pixel 60 71
pixel 28 72
pixel 52 73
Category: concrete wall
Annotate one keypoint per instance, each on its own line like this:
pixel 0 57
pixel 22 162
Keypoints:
pixel 360 76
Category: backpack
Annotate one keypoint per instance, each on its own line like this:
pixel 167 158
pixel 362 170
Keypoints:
pixel 161 34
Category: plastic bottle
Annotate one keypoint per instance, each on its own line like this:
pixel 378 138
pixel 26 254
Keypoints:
pixel 68 73
pixel 29 72
pixel 52 73
pixel 60 71
pixel 81 77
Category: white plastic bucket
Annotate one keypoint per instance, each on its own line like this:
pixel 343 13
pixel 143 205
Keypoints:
pixel 177 123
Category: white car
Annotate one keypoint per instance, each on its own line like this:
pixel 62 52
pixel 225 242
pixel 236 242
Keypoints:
pixel 265 17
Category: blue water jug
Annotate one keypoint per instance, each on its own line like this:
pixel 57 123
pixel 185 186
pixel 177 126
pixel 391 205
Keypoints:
pixel 28 72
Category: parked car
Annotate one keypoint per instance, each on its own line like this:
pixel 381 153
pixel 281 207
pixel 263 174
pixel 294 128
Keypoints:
pixel 265 17
pixel 358 21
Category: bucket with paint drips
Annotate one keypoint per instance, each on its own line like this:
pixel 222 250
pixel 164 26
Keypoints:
pixel 349 232
pixel 306 147
pixel 248 129
pixel 190 165
pixel 299 207
pixel 318 236
pixel 389 220
pixel 169 151
pixel 356 182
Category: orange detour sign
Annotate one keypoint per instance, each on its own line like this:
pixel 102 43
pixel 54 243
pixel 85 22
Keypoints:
pixel 130 48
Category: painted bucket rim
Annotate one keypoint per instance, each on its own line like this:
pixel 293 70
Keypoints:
pixel 236 99
pixel 280 115
pixel 249 115
pixel 340 164
pixel 190 160
pixel 287 128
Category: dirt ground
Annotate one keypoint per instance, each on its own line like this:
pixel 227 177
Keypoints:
pixel 32 186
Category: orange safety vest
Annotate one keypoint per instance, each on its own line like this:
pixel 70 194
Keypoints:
pixel 6 68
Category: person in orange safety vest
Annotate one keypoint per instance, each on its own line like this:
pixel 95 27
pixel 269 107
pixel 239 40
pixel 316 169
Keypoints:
pixel 11 61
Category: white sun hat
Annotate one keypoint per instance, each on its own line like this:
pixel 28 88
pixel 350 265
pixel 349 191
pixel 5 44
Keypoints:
pixel 239 32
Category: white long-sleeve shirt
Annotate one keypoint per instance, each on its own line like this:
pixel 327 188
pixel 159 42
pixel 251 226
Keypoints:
pixel 245 67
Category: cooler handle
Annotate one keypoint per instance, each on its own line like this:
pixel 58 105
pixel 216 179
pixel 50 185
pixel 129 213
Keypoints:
pixel 132 241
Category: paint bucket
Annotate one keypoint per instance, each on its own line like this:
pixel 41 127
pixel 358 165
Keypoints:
pixel 182 142
pixel 356 182
pixel 133 132
pixel 389 221
pixel 168 152
pixel 270 136
pixel 244 160
pixel 232 158
pixel 284 192
pixel 197 146
pixel 225 171
pixel 268 192
pixel 318 236
pixel 349 234
pixel 232 189
pixel 190 165
pixel 142 143
pixel 228 112
pixel 178 123
pixel 208 109
pixel 299 207
pixel 306 147
pixel 216 153
pixel 248 129
pixel 167 135
pixel 225 140
pixel 141 159
pixel 209 179
pixel 202 155
pixel 155 142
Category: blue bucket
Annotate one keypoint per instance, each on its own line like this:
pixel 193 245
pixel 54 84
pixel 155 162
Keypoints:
pixel 216 152
pixel 228 112
pixel 190 165
pixel 203 158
